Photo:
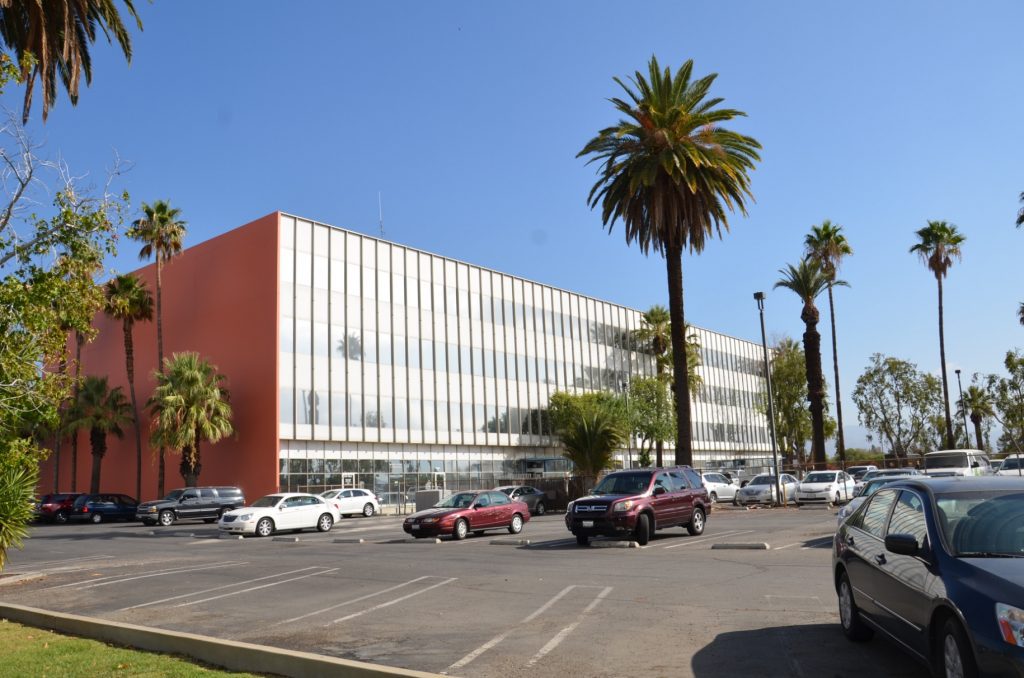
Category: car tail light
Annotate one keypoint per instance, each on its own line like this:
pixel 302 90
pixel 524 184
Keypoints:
pixel 85 509
pixel 1011 623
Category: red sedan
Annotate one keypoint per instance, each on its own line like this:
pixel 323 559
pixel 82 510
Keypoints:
pixel 466 512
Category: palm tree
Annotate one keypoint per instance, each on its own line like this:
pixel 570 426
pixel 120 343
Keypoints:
pixel 56 35
pixel 128 300
pixel 162 233
pixel 978 404
pixel 827 245
pixel 101 410
pixel 189 405
pixel 938 245
pixel 808 280
pixel 590 439
pixel 672 174
pixel 1020 213
pixel 1020 313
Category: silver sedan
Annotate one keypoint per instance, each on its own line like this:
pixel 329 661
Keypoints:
pixel 761 490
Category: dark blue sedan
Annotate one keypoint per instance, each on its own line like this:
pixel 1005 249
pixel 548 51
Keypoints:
pixel 937 565
pixel 98 508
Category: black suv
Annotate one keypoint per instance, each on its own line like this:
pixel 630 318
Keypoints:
pixel 207 503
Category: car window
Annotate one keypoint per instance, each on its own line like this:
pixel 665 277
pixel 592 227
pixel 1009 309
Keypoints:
pixel 877 511
pixel 291 502
pixel 908 517
pixel 483 500
pixel 663 481
pixel 499 498
pixel 191 494
pixel 208 493
pixel 693 477
pixel 532 490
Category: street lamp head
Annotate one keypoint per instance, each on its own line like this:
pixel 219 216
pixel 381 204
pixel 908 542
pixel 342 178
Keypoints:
pixel 957 372
pixel 759 296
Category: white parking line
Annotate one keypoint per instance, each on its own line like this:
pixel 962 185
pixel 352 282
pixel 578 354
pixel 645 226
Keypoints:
pixel 215 588
pixel 564 633
pixel 688 542
pixel 779 548
pixel 393 602
pixel 64 561
pixel 118 578
pixel 255 588
pixel 354 600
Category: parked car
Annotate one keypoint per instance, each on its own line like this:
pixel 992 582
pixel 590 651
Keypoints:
pixel 536 499
pixel 934 563
pixel 883 473
pixel 282 511
pixel 720 487
pixel 633 504
pixel 1013 465
pixel 857 472
pixel 869 489
pixel 466 512
pixel 55 508
pixel 956 463
pixel 353 502
pixel 205 503
pixel 98 508
pixel 761 490
pixel 825 487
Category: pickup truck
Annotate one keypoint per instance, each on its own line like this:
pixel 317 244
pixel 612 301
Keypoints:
pixel 205 503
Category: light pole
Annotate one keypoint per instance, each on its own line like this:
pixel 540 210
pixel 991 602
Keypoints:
pixel 759 298
pixel 963 410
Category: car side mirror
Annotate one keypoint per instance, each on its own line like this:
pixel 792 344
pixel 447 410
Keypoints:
pixel 903 544
pixel 659 490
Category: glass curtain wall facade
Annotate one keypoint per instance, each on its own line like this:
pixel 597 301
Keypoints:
pixel 400 369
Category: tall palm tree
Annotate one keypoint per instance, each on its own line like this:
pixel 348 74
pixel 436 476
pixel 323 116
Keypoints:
pixel 938 245
pixel 1020 213
pixel 807 280
pixel 827 245
pixel 1020 313
pixel 977 403
pixel 56 34
pixel 189 405
pixel 128 300
pixel 672 173
pixel 101 410
pixel 162 232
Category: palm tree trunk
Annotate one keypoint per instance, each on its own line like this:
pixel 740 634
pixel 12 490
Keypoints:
pixel 950 444
pixel 159 357
pixel 98 439
pixel 977 431
pixel 659 446
pixel 129 357
pixel 681 381
pixel 190 466
pixel 815 385
pixel 79 340
pixel 840 439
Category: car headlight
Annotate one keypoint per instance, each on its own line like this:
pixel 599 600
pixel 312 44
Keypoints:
pixel 568 508
pixel 1011 623
pixel 621 506
pixel 244 517
pixel 429 520
pixel 151 509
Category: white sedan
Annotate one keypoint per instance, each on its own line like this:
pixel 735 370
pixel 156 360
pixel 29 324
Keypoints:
pixel 825 487
pixel 353 502
pixel 720 488
pixel 281 511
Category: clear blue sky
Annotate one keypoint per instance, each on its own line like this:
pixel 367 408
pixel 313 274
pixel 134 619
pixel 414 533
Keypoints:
pixel 467 117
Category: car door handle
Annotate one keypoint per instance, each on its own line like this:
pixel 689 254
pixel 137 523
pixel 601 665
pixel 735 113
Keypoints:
pixel 880 559
pixel 849 541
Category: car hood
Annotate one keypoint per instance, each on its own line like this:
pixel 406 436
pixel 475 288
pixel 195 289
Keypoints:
pixel 434 513
pixel 1006 569
pixel 157 502
pixel 756 489
pixel 815 487
pixel 249 509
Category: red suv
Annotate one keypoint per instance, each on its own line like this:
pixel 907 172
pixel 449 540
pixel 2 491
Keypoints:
pixel 633 504
pixel 55 507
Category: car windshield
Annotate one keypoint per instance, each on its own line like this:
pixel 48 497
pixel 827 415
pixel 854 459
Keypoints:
pixel 983 524
pixel 624 483
pixel 267 501
pixel 173 495
pixel 1010 464
pixel 946 460
pixel 763 480
pixel 820 477
pixel 460 500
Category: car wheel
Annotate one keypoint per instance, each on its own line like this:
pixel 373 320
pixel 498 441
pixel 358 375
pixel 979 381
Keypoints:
pixel 60 517
pixel 97 518
pixel 838 499
pixel 582 540
pixel 166 518
pixel 516 526
pixel 541 509
pixel 461 529
pixel 478 533
pixel 696 525
pixel 209 520
pixel 714 497
pixel 798 504
pixel 368 510
pixel 849 616
pixel 642 534
pixel 954 652
pixel 735 501
pixel 265 527
pixel 325 523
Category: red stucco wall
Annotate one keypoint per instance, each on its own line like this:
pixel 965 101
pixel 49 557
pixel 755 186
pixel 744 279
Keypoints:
pixel 219 299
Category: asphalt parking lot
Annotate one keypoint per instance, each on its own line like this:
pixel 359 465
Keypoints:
pixel 676 607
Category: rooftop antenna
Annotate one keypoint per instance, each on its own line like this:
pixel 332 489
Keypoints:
pixel 380 211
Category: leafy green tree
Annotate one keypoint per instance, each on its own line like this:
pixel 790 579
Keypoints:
pixel 672 172
pixel 938 245
pixel 897 403
pixel 129 300
pixel 101 410
pixel 52 38
pixel 651 415
pixel 977 404
pixel 827 245
pixel 190 405
pixel 162 234
pixel 590 438
pixel 1007 396
pixel 807 280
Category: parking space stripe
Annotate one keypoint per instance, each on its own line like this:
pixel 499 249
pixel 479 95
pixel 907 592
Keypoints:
pixel 63 561
pixel 393 602
pixel 779 548
pixel 354 600
pixel 117 579
pixel 689 542
pixel 564 633
pixel 215 588
pixel 255 588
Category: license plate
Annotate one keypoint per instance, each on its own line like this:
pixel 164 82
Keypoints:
pixel 587 523
pixel 415 527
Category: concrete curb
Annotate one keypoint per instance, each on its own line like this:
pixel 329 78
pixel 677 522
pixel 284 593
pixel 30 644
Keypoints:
pixel 614 545
pixel 422 540
pixel 511 542
pixel 231 654
pixel 349 541
pixel 290 540
pixel 762 546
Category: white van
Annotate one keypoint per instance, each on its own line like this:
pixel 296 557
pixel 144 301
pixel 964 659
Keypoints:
pixel 956 463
